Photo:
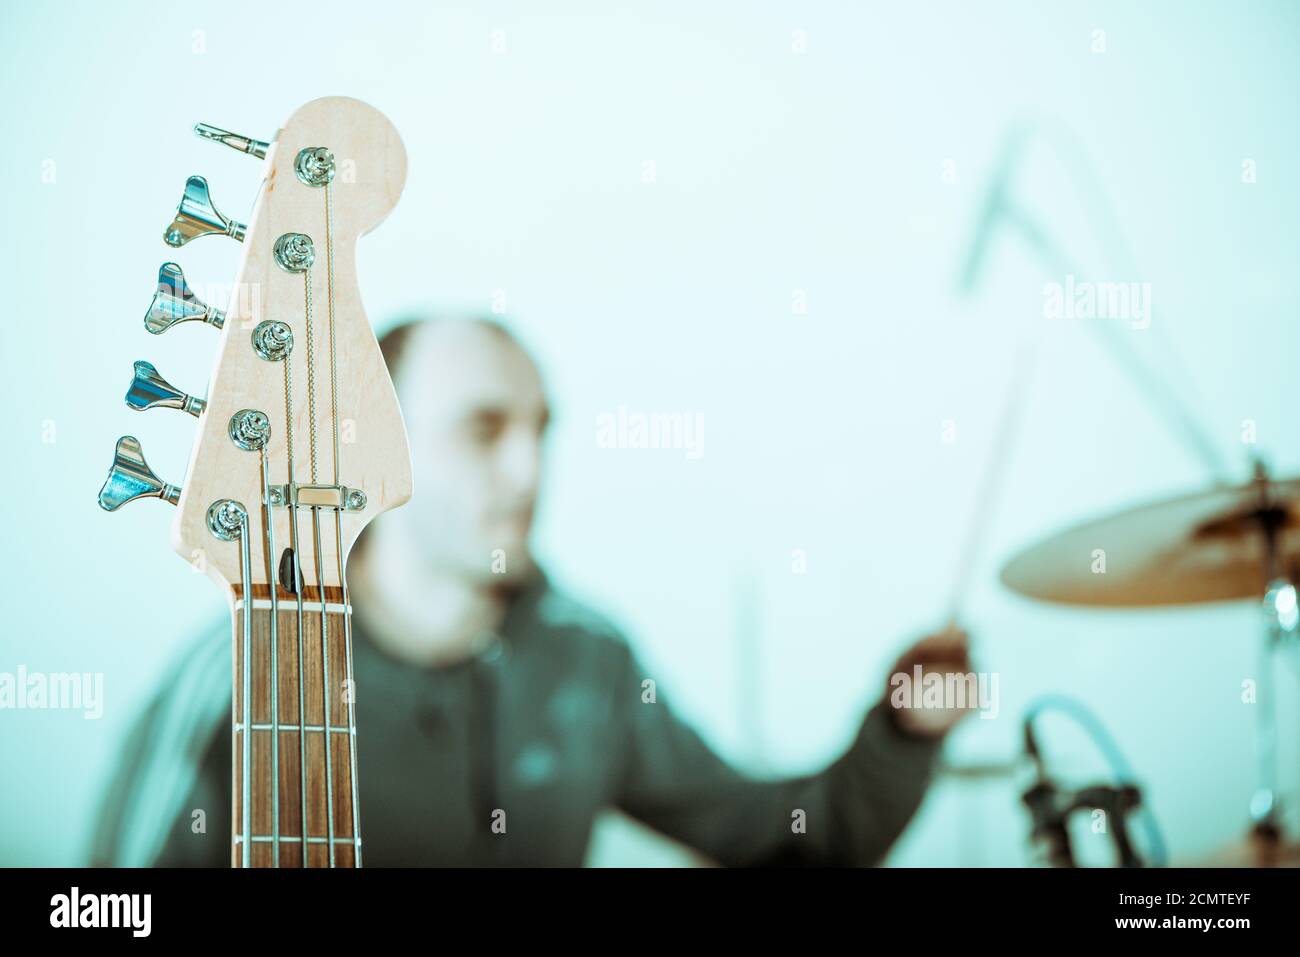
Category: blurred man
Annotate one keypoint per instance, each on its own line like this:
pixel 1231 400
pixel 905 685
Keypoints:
pixel 495 717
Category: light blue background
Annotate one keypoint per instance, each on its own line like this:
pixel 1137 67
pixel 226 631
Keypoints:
pixel 776 171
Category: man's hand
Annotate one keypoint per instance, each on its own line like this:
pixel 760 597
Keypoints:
pixel 942 653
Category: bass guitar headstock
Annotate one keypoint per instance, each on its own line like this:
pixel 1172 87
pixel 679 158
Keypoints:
pixel 299 421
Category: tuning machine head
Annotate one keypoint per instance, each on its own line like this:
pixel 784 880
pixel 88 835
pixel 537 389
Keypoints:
pixel 196 216
pixel 244 144
pixel 130 478
pixel 149 390
pixel 174 302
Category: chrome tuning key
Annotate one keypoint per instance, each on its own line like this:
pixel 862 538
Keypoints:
pixel 131 478
pixel 245 144
pixel 149 390
pixel 196 216
pixel 174 302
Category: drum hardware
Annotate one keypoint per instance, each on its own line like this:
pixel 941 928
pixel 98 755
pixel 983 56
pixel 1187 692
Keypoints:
pixel 1224 543
pixel 1051 805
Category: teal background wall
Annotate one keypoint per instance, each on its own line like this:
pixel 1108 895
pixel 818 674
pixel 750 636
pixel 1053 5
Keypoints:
pixel 834 154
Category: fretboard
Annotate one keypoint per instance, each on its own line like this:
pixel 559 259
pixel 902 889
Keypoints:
pixel 301 746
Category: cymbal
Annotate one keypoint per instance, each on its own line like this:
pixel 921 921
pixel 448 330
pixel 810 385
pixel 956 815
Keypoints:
pixel 1203 547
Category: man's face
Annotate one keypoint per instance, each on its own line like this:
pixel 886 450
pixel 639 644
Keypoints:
pixel 476 414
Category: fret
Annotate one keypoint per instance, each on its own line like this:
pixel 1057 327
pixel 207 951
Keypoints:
pixel 313 607
pixel 321 793
pixel 271 839
pixel 292 727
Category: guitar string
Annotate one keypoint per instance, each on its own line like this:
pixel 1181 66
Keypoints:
pixel 311 373
pixel 234 759
pixel 269 521
pixel 338 533
pixel 297 589
pixel 246 732
pixel 320 570
pixel 329 303
pixel 325 685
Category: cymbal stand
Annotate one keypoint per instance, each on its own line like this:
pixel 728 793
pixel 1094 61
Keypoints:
pixel 1281 621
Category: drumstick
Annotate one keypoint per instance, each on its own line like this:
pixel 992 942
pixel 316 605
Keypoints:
pixel 995 468
pixel 998 207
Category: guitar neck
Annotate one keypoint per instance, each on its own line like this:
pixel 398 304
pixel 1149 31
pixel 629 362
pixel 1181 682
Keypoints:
pixel 294 796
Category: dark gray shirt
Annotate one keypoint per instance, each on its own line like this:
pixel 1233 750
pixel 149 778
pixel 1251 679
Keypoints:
pixel 540 732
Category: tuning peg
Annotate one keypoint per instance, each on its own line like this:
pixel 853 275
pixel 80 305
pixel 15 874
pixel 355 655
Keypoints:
pixel 149 390
pixel 196 216
pixel 173 303
pixel 131 478
pixel 244 144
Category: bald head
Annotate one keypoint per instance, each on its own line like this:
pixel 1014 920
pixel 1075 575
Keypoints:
pixel 476 414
